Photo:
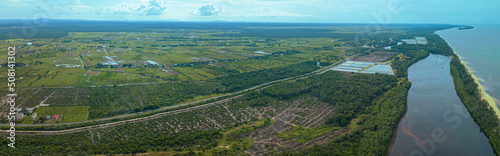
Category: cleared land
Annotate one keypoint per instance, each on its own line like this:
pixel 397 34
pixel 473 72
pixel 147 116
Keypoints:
pixel 378 56
pixel 66 114
pixel 130 73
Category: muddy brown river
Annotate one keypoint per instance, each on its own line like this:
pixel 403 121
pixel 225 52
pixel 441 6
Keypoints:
pixel 437 122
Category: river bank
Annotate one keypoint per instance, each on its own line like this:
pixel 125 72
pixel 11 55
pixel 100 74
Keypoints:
pixel 395 134
pixel 480 48
pixel 444 100
pixel 436 121
pixel 485 96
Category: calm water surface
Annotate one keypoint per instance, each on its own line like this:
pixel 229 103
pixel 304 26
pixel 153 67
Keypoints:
pixel 480 48
pixel 437 122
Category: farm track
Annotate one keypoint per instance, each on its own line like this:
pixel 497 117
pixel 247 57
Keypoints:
pixel 104 125
pixel 81 60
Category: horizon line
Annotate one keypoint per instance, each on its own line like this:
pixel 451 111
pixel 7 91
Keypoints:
pixel 222 21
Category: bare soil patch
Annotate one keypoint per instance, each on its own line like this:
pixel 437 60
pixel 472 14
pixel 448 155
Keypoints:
pixel 169 71
pixel 92 73
pixel 377 56
pixel 306 112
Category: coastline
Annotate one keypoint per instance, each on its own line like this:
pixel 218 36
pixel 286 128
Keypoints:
pixel 490 134
pixel 485 96
pixel 468 111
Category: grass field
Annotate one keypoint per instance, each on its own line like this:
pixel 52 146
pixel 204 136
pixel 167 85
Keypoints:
pixel 54 62
pixel 166 55
pixel 193 73
pixel 69 114
pixel 51 78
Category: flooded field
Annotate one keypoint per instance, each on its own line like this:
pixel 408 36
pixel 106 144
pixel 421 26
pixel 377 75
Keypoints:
pixel 364 67
pixel 379 68
pixel 437 122
pixel 417 40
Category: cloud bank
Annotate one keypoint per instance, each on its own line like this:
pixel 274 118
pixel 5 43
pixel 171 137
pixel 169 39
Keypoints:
pixel 331 11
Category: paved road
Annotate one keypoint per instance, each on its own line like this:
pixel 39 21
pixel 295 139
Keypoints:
pixel 104 125
pixel 320 71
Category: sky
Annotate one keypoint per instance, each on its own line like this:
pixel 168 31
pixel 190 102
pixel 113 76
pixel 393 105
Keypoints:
pixel 308 11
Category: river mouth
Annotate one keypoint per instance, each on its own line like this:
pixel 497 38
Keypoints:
pixel 436 121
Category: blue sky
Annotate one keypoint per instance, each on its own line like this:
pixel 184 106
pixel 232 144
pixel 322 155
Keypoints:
pixel 318 11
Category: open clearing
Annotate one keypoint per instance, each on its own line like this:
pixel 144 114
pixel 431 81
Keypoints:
pixel 378 56
pixel 69 114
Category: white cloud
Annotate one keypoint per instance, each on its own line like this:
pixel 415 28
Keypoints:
pixel 407 11
pixel 226 10
pixel 149 8
pixel 75 8
pixel 207 10
pixel 265 12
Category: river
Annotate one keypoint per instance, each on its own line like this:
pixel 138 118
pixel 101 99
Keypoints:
pixel 437 122
pixel 480 49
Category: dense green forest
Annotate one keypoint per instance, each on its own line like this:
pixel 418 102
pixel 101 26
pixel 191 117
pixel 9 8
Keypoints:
pixel 109 101
pixel 401 64
pixel 365 142
pixel 245 80
pixel 374 135
pixel 352 95
pixel 372 103
pixel 468 91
